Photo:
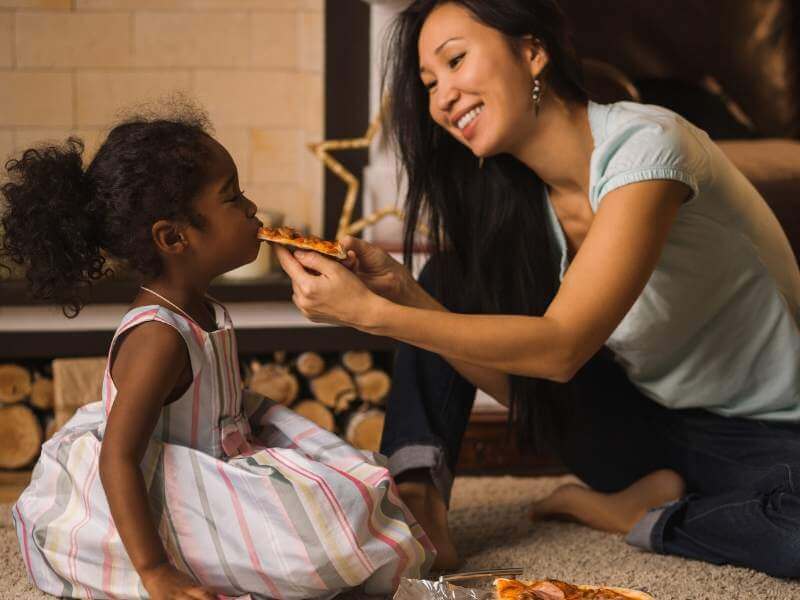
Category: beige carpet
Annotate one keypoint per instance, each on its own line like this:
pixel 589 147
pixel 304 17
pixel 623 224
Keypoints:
pixel 491 530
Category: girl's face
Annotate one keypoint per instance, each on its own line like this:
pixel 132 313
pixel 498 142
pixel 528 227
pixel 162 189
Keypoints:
pixel 479 87
pixel 228 237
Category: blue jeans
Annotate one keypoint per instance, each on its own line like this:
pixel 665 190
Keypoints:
pixel 742 505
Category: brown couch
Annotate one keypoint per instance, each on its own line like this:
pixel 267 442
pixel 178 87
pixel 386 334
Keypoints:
pixel 730 66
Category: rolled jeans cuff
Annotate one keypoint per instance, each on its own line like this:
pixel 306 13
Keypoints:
pixel 419 456
pixel 648 533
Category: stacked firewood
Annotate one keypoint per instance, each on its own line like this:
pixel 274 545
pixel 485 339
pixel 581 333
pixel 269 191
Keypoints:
pixel 343 393
pixel 345 396
pixel 26 414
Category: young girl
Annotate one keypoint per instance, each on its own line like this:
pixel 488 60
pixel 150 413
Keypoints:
pixel 178 484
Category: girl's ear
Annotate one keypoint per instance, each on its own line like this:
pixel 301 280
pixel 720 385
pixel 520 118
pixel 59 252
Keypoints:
pixel 169 237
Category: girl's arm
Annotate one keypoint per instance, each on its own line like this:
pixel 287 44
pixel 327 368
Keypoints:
pixel 606 276
pixel 149 362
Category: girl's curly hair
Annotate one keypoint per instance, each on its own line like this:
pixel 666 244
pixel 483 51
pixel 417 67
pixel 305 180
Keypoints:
pixel 60 221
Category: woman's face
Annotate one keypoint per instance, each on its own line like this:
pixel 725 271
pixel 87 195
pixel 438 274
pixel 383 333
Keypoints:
pixel 479 86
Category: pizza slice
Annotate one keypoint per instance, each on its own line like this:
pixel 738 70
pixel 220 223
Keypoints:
pixel 552 589
pixel 291 237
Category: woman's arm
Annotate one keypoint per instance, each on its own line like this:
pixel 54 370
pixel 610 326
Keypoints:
pixel 150 360
pixel 608 273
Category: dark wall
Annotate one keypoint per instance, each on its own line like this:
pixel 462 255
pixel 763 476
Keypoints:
pixel 346 96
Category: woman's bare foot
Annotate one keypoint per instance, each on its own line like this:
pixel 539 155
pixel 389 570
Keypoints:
pixel 617 512
pixel 427 505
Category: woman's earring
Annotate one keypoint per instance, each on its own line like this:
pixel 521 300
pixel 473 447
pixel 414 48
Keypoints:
pixel 536 95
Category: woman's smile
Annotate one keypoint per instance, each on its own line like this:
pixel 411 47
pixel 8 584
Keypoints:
pixel 468 122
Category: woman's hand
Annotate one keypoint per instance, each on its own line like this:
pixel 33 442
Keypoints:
pixel 380 272
pixel 165 582
pixel 326 291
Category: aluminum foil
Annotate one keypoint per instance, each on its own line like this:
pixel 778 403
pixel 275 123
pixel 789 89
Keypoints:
pixel 415 589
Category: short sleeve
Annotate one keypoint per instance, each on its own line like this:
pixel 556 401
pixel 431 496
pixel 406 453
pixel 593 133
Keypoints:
pixel 643 150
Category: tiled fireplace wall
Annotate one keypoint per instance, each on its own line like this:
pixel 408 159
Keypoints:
pixel 68 66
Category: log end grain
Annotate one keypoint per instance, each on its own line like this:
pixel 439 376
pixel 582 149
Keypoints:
pixel 20 436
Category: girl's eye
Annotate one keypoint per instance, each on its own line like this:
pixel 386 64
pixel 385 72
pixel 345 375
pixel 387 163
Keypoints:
pixel 430 86
pixel 238 196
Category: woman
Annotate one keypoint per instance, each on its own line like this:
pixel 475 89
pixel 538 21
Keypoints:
pixel 602 269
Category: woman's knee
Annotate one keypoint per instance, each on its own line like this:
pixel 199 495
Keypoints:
pixel 784 558
pixel 786 569
pixel 783 510
pixel 768 536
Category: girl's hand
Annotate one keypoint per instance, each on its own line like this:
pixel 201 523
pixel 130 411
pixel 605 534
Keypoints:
pixel 330 292
pixel 380 272
pixel 165 582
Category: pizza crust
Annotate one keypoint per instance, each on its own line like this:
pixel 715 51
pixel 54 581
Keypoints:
pixel 288 236
pixel 511 589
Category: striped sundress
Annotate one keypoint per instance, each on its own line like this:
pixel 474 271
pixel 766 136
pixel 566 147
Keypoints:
pixel 248 496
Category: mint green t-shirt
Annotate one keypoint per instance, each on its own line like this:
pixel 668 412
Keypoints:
pixel 718 324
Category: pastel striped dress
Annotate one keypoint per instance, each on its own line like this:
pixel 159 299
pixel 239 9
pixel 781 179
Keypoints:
pixel 248 497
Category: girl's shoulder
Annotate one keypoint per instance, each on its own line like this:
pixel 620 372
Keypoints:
pixel 171 324
pixel 159 334
pixel 150 343
pixel 139 319
pixel 138 314
pixel 193 336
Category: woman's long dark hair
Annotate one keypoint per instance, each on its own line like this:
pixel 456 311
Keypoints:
pixel 60 222
pixel 493 253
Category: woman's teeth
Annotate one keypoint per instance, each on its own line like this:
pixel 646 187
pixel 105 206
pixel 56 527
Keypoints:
pixel 469 117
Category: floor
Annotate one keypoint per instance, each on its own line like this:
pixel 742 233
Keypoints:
pixel 491 529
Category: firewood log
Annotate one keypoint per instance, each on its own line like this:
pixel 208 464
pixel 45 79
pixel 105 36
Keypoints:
pixel 335 389
pixel 275 382
pixel 310 365
pixel 253 368
pixel 373 385
pixel 363 429
pixel 15 383
pixel 76 381
pixel 42 392
pixel 357 361
pixel 20 436
pixel 316 412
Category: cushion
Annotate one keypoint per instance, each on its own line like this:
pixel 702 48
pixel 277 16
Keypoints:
pixel 607 84
pixel 704 104
pixel 753 50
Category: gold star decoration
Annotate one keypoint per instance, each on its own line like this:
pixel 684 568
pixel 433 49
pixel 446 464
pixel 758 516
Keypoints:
pixel 321 151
